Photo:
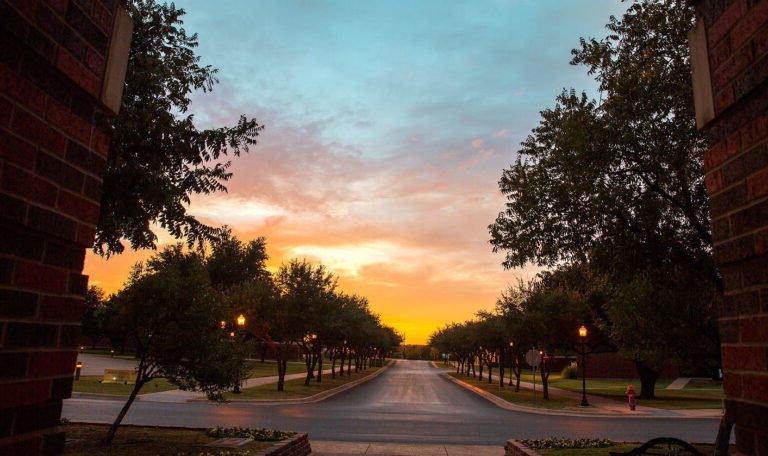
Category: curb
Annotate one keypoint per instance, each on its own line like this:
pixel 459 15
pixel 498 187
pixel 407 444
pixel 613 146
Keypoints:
pixel 501 403
pixel 311 399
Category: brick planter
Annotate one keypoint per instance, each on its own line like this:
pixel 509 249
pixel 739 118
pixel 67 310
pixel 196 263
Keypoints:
pixel 296 446
pixel 516 448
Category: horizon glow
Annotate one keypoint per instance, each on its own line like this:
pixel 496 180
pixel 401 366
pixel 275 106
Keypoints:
pixel 388 125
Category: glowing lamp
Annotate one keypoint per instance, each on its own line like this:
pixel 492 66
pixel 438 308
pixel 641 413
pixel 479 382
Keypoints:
pixel 583 331
pixel 241 320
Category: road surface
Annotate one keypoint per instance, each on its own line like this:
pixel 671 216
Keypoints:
pixel 410 403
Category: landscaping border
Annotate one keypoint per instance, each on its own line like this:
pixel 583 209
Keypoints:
pixel 521 408
pixel 517 448
pixel 297 445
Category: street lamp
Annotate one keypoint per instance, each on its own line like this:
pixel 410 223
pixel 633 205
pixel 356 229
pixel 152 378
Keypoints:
pixel 583 337
pixel 241 320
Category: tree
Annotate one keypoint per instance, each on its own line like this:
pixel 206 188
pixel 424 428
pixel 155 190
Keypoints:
pixel 158 157
pixel 617 185
pixel 233 261
pixel 171 314
pixel 93 318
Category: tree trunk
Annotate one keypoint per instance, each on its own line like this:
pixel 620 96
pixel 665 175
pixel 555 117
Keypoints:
pixel 123 411
pixel 333 366
pixel 349 364
pixel 282 365
pixel 490 373
pixel 341 366
pixel 544 373
pixel 263 352
pixel 502 358
pixel 320 366
pixel 648 377
pixel 722 443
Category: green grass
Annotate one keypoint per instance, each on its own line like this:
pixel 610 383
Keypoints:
pixel 85 440
pixel 523 397
pixel 268 369
pixel 295 389
pixel 687 398
pixel 92 384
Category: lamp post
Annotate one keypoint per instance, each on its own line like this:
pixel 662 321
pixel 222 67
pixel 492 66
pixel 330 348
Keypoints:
pixel 583 337
pixel 240 320
pixel 78 368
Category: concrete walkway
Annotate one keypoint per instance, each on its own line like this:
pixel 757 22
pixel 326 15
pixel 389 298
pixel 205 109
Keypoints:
pixel 178 395
pixel 336 448
pixel 679 383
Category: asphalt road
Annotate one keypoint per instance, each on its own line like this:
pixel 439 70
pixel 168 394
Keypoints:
pixel 409 403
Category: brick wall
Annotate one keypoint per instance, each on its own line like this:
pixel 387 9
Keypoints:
pixel 295 446
pixel 730 55
pixel 54 55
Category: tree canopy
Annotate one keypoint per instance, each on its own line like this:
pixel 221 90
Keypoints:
pixel 158 157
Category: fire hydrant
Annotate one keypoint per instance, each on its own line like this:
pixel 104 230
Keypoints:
pixel 631 397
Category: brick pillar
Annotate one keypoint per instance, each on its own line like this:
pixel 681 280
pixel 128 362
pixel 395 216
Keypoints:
pixel 729 50
pixel 62 64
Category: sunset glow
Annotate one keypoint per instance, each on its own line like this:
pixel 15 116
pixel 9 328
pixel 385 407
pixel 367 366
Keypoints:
pixel 387 127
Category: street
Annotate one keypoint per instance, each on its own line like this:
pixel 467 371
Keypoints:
pixel 409 403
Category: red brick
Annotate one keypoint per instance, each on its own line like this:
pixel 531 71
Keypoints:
pixel 100 142
pixel 6 110
pixel 754 329
pixel 39 133
pixel 22 90
pixel 735 65
pixel 16 150
pixel 68 310
pixel 101 16
pixel 714 181
pixel 95 62
pixel 78 73
pixel 64 119
pixel 39 277
pixel 732 385
pixel 24 393
pixel 719 54
pixel 754 132
pixel 724 99
pixel 726 21
pixel 25 7
pixel 761 242
pixel 60 6
pixel 755 387
pixel 744 358
pixel 715 156
pixel 757 185
pixel 86 234
pixel 22 183
pixel 79 208
pixel 52 363
pixel 751 21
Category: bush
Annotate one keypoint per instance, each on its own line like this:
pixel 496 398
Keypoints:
pixel 570 371
pixel 258 434
pixel 560 443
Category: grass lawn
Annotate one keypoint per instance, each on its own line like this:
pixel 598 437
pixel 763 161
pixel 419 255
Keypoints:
pixel 295 389
pixel 704 394
pixel 269 368
pixel 85 440
pixel 523 397
pixel 706 449
pixel 92 384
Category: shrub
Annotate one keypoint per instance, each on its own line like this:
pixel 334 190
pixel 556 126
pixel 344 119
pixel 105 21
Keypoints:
pixel 560 443
pixel 570 371
pixel 259 434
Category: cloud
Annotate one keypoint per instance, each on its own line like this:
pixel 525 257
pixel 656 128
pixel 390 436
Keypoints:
pixel 503 133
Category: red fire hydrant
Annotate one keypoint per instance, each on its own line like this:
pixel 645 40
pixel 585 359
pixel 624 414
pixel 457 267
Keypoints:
pixel 631 397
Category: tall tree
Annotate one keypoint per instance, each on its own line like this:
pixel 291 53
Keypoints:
pixel 158 157
pixel 618 184
pixel 93 318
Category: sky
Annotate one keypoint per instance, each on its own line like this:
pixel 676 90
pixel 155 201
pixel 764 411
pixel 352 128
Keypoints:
pixel 387 127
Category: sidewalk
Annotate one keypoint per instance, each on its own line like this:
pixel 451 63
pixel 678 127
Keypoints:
pixel 331 448
pixel 178 395
pixel 602 405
